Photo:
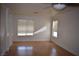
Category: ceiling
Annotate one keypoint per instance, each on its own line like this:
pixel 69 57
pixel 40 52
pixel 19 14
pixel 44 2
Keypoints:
pixel 31 9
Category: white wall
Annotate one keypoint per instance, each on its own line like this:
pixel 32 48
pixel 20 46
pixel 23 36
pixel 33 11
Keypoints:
pixel 6 28
pixel 40 22
pixel 68 30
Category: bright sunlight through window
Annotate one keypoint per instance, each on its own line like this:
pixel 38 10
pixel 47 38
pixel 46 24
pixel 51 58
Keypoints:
pixel 25 27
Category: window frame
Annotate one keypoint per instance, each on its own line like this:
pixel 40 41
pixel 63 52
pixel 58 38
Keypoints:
pixel 55 19
pixel 25 34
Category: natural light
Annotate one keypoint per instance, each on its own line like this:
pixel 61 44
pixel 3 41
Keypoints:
pixel 25 27
pixel 24 34
pixel 54 28
pixel 55 34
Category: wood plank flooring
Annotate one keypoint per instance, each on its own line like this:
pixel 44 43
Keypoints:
pixel 36 48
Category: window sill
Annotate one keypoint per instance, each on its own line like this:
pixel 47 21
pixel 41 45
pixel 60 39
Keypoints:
pixel 24 35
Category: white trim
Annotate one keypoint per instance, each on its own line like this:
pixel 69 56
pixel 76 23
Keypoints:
pixel 71 51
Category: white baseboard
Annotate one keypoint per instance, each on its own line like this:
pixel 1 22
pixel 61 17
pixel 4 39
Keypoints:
pixel 71 51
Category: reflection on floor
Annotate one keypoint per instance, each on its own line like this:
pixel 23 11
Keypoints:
pixel 36 49
pixel 24 50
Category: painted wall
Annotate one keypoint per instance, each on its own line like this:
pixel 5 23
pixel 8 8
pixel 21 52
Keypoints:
pixel 68 30
pixel 3 19
pixel 6 28
pixel 40 24
pixel 0 30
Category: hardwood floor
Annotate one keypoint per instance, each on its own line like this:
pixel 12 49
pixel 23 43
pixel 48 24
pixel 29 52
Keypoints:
pixel 36 49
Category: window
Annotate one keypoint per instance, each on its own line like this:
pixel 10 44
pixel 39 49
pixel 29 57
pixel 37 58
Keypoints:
pixel 25 27
pixel 54 28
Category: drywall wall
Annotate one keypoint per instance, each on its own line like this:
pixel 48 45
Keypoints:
pixel 3 19
pixel 6 28
pixel 0 30
pixel 68 30
pixel 41 24
pixel 9 28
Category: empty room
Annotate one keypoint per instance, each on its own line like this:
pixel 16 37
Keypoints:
pixel 39 29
